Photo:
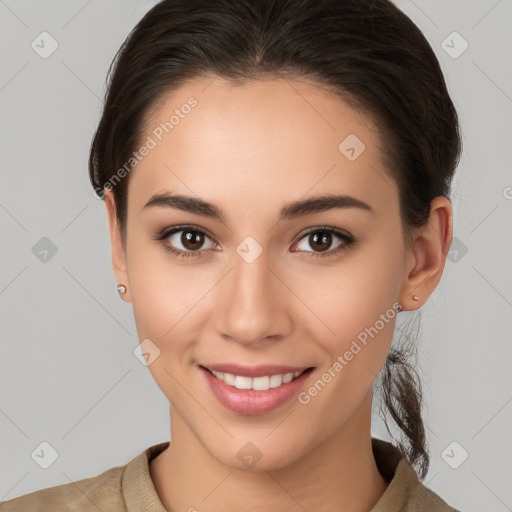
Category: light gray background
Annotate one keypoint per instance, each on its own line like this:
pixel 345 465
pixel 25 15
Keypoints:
pixel 68 373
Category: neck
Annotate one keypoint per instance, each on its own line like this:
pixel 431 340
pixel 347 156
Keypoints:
pixel 338 474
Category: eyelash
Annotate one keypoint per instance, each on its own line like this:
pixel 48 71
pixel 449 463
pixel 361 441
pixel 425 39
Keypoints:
pixel 347 241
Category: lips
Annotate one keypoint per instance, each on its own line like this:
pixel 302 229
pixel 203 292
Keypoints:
pixel 239 398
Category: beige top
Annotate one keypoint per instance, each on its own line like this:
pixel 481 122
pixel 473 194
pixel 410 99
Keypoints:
pixel 130 488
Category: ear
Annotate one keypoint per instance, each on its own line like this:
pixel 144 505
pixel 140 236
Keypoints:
pixel 427 258
pixel 118 251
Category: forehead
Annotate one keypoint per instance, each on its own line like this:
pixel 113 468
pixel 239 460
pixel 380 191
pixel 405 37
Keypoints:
pixel 266 140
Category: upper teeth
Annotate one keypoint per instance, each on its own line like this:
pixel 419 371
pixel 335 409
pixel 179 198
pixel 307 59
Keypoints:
pixel 257 383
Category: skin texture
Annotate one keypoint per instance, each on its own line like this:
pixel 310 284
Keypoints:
pixel 251 149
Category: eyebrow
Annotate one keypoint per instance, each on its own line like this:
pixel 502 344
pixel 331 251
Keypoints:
pixel 290 211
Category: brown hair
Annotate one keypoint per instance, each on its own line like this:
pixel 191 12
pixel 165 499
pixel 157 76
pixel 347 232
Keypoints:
pixel 367 51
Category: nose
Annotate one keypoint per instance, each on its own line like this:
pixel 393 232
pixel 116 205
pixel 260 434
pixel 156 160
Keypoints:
pixel 252 305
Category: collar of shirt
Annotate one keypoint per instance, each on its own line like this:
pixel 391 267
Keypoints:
pixel 404 488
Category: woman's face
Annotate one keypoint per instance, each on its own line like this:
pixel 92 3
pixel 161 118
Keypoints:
pixel 310 287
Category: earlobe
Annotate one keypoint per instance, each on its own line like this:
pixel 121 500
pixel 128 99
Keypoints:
pixel 428 255
pixel 118 250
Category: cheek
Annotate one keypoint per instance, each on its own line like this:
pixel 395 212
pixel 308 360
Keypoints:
pixel 164 293
pixel 361 316
pixel 167 303
pixel 352 295
pixel 356 305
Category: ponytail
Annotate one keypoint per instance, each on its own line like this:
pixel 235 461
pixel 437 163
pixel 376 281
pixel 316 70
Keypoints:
pixel 401 396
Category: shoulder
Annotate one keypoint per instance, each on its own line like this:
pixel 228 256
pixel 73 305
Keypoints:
pixel 417 496
pixel 101 492
pixel 405 492
pixel 117 489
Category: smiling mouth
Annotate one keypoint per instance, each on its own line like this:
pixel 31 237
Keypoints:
pixel 262 383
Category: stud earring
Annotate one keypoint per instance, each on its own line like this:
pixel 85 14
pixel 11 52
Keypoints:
pixel 121 289
pixel 415 297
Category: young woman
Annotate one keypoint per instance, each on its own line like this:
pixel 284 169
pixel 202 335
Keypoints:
pixel 276 175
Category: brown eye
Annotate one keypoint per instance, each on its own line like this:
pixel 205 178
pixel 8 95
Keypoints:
pixel 321 240
pixel 186 241
pixel 192 240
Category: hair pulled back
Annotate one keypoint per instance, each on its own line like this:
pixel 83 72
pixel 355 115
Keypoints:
pixel 368 52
